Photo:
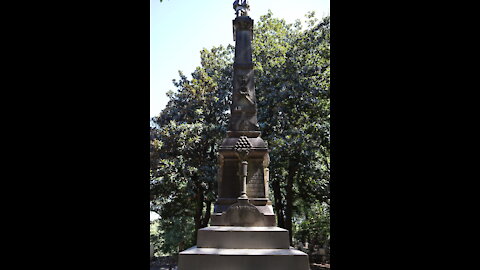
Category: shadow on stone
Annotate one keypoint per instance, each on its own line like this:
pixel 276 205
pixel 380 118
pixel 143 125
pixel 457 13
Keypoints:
pixel 243 213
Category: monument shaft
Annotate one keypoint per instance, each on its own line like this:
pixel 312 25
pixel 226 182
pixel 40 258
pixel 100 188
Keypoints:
pixel 243 155
pixel 244 104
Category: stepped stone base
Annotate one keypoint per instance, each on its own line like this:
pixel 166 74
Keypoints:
pixel 242 248
pixel 219 219
pixel 243 237
pixel 242 259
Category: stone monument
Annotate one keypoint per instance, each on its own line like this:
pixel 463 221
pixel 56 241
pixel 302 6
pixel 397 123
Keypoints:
pixel 242 234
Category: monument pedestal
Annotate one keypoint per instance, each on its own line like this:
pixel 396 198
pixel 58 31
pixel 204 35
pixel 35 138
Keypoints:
pixel 242 248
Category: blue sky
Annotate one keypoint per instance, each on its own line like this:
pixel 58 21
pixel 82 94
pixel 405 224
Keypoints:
pixel 180 29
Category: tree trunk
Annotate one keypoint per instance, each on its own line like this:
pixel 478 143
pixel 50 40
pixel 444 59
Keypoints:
pixel 292 169
pixel 308 239
pixel 198 208
pixel 206 219
pixel 277 194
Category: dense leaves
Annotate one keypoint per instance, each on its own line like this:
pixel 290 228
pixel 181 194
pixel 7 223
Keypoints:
pixel 292 80
pixel 293 86
pixel 184 141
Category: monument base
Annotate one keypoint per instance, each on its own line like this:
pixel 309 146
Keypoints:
pixel 242 248
pixel 242 259
pixel 265 218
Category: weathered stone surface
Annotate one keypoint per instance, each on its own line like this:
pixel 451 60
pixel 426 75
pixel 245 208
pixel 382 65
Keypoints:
pixel 243 213
pixel 243 237
pixel 229 181
pixel 229 184
pixel 258 144
pixel 219 219
pixel 255 180
pixel 244 103
pixel 242 259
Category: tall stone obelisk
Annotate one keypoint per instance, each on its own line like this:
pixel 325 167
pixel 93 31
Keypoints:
pixel 243 155
pixel 242 235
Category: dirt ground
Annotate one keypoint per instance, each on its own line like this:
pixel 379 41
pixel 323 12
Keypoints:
pixel 163 263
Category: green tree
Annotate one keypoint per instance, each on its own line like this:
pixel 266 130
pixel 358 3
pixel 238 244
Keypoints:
pixel 184 141
pixel 293 86
pixel 314 227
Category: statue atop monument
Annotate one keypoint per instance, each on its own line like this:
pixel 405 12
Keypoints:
pixel 241 7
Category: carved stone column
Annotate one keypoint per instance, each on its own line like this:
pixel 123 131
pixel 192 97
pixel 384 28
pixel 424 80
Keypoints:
pixel 243 154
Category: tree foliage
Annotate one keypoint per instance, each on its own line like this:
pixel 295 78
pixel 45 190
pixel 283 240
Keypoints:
pixel 293 86
pixel 184 142
pixel 292 81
